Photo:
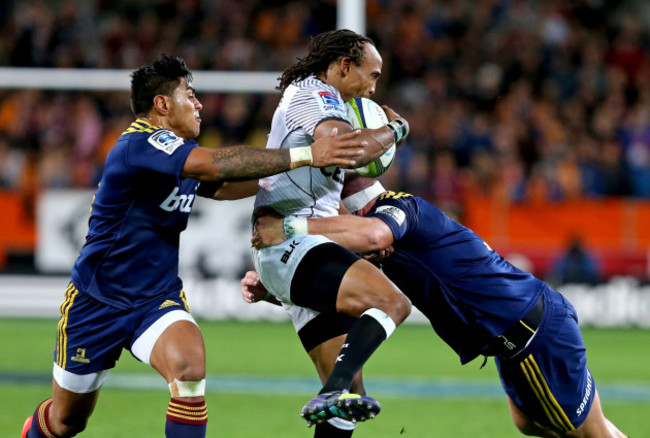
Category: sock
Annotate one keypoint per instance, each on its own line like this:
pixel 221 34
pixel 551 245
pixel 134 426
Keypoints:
pixel 41 421
pixel 186 419
pixel 373 328
pixel 329 429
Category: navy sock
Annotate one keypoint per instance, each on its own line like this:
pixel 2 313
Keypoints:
pixel 41 422
pixel 186 419
pixel 363 339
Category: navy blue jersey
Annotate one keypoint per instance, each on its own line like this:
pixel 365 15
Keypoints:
pixel 140 208
pixel 465 288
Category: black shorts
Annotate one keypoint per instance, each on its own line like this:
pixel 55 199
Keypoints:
pixel 317 279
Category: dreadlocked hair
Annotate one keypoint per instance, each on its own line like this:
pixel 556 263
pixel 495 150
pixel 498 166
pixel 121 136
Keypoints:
pixel 323 50
pixel 158 78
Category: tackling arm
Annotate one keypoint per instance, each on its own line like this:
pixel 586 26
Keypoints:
pixel 359 234
pixel 246 162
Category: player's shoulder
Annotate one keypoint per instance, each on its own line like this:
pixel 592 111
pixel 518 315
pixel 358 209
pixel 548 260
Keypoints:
pixel 143 133
pixel 314 88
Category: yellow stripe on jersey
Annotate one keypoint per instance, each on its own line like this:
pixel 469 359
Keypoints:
pixel 393 195
pixel 184 298
pixel 538 383
pixel 141 125
pixel 62 340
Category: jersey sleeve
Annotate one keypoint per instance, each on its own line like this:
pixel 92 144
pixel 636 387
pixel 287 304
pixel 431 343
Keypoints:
pixel 397 213
pixel 312 106
pixel 162 151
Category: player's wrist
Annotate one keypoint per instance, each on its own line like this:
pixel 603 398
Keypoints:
pixel 301 156
pixel 294 227
pixel 399 129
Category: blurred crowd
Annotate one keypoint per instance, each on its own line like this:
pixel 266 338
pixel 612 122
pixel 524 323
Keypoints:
pixel 522 100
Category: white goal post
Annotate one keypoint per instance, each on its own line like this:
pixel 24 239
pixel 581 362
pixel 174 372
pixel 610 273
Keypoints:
pixel 350 14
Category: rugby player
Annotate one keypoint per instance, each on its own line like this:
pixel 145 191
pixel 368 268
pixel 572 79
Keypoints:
pixel 125 291
pixel 476 301
pixel 312 271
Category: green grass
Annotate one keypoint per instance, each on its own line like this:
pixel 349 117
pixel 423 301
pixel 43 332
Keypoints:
pixel 412 354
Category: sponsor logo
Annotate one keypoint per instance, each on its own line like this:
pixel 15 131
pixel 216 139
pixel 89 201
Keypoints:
pixel 165 141
pixel 509 345
pixel 585 399
pixel 328 98
pixel 174 201
pixel 168 303
pixel 287 253
pixel 81 356
pixel 396 213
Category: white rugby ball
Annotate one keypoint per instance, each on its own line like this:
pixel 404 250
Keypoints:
pixel 364 113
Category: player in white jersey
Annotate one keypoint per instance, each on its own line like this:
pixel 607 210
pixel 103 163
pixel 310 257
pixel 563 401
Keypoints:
pixel 313 271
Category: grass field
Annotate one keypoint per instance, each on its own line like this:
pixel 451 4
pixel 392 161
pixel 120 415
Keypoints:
pixel 259 378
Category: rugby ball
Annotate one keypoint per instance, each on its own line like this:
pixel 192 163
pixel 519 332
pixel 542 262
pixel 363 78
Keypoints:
pixel 365 113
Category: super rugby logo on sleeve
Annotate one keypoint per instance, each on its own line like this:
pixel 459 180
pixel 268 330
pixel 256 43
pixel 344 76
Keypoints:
pixel 165 141
pixel 328 101
pixel 397 214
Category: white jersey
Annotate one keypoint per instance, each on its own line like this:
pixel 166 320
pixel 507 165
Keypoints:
pixel 305 191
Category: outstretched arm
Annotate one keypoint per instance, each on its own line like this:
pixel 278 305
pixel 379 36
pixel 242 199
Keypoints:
pixel 247 162
pixel 359 234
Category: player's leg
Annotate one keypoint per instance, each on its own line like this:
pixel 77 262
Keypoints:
pixel 173 346
pixel 89 341
pixel 312 271
pixel 322 337
pixel 526 426
pixel 330 277
pixel 63 415
pixel 551 391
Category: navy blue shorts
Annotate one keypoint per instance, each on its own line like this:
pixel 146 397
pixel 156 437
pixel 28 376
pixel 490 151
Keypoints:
pixel 91 335
pixel 549 380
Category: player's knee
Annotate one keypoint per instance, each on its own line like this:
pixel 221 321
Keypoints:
pixel 190 372
pixel 68 427
pixel 396 305
pixel 402 308
pixel 187 367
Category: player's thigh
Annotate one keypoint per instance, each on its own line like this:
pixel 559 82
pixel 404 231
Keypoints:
pixel 526 426
pixel 549 382
pixel 364 286
pixel 90 339
pixel 277 265
pixel 176 346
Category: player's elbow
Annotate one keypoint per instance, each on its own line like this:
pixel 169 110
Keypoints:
pixel 377 239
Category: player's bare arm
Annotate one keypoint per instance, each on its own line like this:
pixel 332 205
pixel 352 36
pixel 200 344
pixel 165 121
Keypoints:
pixel 246 162
pixel 355 233
pixel 231 191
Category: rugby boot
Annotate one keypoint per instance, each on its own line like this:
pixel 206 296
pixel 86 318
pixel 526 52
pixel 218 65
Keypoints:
pixel 341 404
pixel 27 426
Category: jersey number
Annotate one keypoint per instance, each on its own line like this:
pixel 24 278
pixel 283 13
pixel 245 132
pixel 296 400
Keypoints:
pixel 337 174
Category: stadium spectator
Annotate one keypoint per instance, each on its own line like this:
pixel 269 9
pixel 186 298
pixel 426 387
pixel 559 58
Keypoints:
pixel 312 271
pixel 575 266
pixel 566 74
pixel 476 301
pixel 125 292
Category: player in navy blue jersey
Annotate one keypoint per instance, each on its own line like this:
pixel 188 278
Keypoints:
pixel 477 302
pixel 125 291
